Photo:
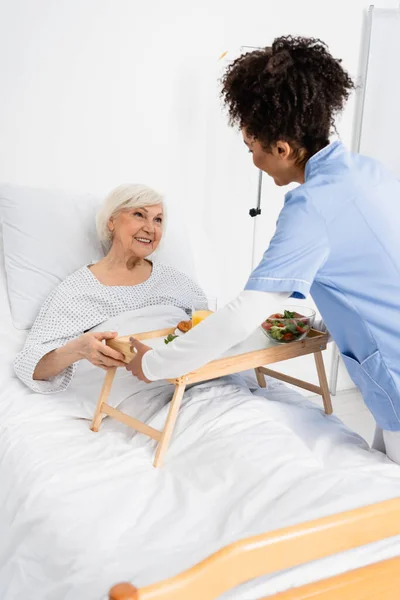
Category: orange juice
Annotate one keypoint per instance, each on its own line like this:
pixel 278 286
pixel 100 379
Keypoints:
pixel 199 315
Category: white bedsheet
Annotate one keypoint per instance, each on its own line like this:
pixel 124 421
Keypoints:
pixel 80 511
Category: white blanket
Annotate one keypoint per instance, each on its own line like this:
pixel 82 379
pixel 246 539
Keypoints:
pixel 80 511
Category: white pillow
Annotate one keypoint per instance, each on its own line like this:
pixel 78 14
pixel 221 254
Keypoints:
pixel 11 340
pixel 48 234
pixel 4 303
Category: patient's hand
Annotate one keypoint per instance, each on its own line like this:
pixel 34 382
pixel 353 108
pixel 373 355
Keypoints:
pixel 90 346
pixel 135 366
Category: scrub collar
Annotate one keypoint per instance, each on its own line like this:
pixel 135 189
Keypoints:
pixel 317 160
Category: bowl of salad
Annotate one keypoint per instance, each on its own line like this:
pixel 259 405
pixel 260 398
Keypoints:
pixel 290 325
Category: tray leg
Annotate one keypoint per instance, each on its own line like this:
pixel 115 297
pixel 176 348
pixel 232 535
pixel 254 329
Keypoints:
pixel 105 392
pixel 260 378
pixel 326 397
pixel 169 424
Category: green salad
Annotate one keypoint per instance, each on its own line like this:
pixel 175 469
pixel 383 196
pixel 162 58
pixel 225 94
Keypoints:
pixel 286 327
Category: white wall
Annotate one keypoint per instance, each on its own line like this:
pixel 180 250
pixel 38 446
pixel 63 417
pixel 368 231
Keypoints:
pixel 380 122
pixel 97 92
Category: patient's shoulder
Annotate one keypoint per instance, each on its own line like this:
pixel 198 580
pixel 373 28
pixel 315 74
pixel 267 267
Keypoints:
pixel 173 276
pixel 165 270
pixel 77 282
pixel 82 276
pixel 66 294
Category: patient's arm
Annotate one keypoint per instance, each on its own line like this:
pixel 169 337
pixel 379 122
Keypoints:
pixel 56 342
pixel 89 346
pixel 54 362
pixel 213 336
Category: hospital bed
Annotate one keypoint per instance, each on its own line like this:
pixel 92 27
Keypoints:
pixel 277 494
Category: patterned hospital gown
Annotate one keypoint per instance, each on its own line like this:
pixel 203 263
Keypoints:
pixel 81 302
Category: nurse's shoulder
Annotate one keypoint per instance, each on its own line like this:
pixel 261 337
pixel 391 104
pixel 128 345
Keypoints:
pixel 335 177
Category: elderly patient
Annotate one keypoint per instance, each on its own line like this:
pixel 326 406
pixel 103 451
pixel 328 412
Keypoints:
pixel 130 223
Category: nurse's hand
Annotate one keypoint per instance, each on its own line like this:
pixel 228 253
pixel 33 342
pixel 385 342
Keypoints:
pixel 135 365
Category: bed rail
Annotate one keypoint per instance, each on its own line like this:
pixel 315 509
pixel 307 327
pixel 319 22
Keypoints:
pixel 289 547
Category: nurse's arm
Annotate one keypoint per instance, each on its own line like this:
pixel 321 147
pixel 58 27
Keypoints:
pixel 213 336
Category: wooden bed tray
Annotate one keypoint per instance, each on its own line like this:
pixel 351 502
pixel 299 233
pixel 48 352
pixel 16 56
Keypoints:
pixel 254 353
pixel 289 547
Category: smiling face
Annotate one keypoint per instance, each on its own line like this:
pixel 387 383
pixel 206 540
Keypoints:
pixel 136 232
pixel 279 163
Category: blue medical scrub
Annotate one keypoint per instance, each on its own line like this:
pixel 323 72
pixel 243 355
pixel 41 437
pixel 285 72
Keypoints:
pixel 338 237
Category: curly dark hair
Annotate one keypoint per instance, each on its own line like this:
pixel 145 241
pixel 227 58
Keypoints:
pixel 290 91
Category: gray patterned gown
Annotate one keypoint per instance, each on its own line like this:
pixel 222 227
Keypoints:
pixel 81 302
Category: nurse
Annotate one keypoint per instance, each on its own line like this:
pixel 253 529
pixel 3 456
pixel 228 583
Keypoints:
pixel 337 236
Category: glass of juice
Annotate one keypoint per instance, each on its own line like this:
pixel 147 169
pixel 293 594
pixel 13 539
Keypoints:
pixel 201 309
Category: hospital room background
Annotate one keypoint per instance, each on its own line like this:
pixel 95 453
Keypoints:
pixel 99 92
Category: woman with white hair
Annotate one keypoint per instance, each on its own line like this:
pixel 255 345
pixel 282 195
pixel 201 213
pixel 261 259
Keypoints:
pixel 130 225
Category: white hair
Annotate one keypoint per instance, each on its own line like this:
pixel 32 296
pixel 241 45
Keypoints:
pixel 125 196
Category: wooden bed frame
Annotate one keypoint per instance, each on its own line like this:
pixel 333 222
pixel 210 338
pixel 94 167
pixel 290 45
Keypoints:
pixel 289 547
pixel 254 357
